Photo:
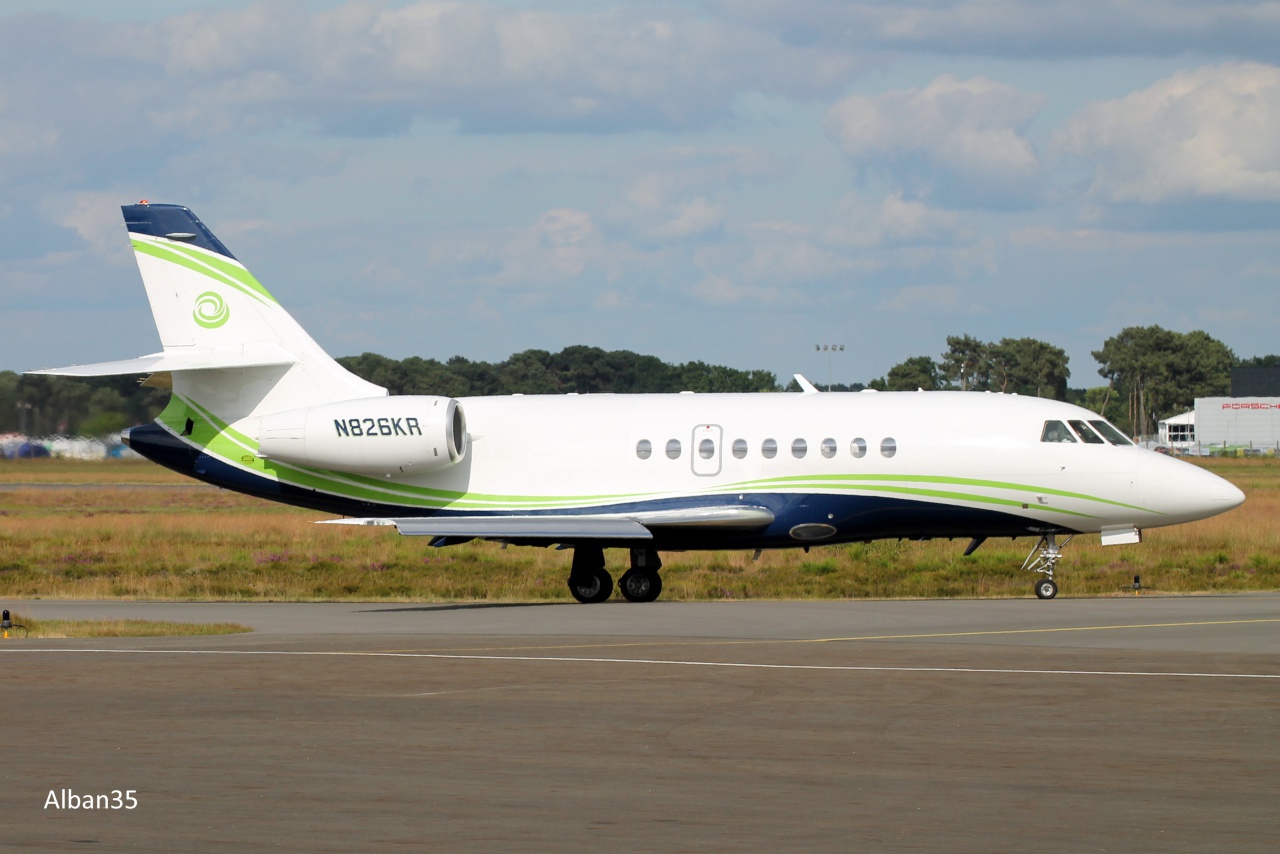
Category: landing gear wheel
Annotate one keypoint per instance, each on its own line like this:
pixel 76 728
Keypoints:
pixel 640 585
pixel 592 588
pixel 1046 588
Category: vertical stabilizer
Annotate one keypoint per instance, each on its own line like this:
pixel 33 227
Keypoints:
pixel 208 307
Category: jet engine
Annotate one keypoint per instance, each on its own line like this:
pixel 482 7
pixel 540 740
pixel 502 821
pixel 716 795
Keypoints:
pixel 387 436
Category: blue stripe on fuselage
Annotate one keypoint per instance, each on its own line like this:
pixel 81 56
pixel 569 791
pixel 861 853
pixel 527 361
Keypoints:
pixel 855 517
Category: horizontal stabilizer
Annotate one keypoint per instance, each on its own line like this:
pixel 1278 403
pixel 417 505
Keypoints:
pixel 633 526
pixel 252 356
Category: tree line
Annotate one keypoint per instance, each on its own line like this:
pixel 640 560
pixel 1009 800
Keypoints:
pixel 40 406
pixel 1151 373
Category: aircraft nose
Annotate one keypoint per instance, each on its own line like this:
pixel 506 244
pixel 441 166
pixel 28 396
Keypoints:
pixel 1225 493
pixel 1183 492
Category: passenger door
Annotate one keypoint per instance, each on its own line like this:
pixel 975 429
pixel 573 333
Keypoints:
pixel 705 448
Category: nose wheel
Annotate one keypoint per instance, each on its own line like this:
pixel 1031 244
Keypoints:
pixel 1046 588
pixel 1044 560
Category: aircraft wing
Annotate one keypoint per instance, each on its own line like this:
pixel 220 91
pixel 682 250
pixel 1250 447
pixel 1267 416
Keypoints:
pixel 565 526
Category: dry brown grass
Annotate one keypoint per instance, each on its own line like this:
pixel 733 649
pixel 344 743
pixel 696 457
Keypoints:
pixel 48 470
pixel 171 540
pixel 28 627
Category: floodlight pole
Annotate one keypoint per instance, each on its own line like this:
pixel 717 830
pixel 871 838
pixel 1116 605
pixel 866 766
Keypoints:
pixel 829 349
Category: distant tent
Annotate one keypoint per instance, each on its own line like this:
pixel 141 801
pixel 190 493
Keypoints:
pixel 29 450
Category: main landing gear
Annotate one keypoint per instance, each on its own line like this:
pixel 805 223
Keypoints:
pixel 590 582
pixel 641 583
pixel 1044 559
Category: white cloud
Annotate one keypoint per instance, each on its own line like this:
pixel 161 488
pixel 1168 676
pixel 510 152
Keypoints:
pixel 965 133
pixel 1101 240
pixel 693 218
pixel 95 216
pixel 930 299
pixel 895 221
pixel 1262 271
pixel 561 245
pixel 794 260
pixel 677 194
pixel 1023 28
pixel 489 66
pixel 718 289
pixel 1205 133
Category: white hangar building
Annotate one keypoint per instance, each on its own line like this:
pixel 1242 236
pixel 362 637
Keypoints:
pixel 1251 422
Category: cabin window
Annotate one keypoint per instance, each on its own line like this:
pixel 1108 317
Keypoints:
pixel 828 448
pixel 888 448
pixel 706 449
pixel 739 448
pixel 673 449
pixel 799 448
pixel 1111 434
pixel 644 449
pixel 1083 431
pixel 768 449
pixel 1056 431
pixel 858 447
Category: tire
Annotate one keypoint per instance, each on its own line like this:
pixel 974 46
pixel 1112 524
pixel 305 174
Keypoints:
pixel 592 589
pixel 640 585
pixel 1046 588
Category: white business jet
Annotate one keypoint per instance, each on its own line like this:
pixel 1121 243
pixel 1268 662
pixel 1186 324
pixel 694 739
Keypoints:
pixel 258 407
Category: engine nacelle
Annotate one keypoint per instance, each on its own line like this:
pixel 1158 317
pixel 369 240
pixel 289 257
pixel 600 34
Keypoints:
pixel 389 436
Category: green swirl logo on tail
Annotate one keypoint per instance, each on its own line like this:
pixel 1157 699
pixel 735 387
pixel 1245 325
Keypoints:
pixel 211 310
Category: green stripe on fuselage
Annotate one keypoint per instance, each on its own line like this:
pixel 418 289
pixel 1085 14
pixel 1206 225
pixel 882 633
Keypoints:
pixel 940 479
pixel 218 439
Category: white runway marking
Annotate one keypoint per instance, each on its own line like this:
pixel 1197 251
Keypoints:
pixel 859 668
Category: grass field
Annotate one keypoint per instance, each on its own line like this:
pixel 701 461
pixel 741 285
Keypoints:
pixel 29 627
pixel 130 529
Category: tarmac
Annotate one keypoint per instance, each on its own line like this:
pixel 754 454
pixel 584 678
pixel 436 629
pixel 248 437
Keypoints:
pixel 1139 723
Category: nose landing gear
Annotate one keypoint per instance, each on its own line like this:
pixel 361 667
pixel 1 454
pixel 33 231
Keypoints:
pixel 1044 559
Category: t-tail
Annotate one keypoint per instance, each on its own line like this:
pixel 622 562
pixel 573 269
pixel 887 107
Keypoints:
pixel 239 365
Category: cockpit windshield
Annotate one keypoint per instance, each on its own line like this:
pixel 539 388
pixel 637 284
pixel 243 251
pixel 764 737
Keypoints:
pixel 1056 431
pixel 1083 431
pixel 1112 435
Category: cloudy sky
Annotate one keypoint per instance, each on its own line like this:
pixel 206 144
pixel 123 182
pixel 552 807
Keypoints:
pixel 729 180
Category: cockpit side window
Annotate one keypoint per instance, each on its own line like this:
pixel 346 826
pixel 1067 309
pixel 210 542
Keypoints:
pixel 1056 431
pixel 1112 435
pixel 1086 434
